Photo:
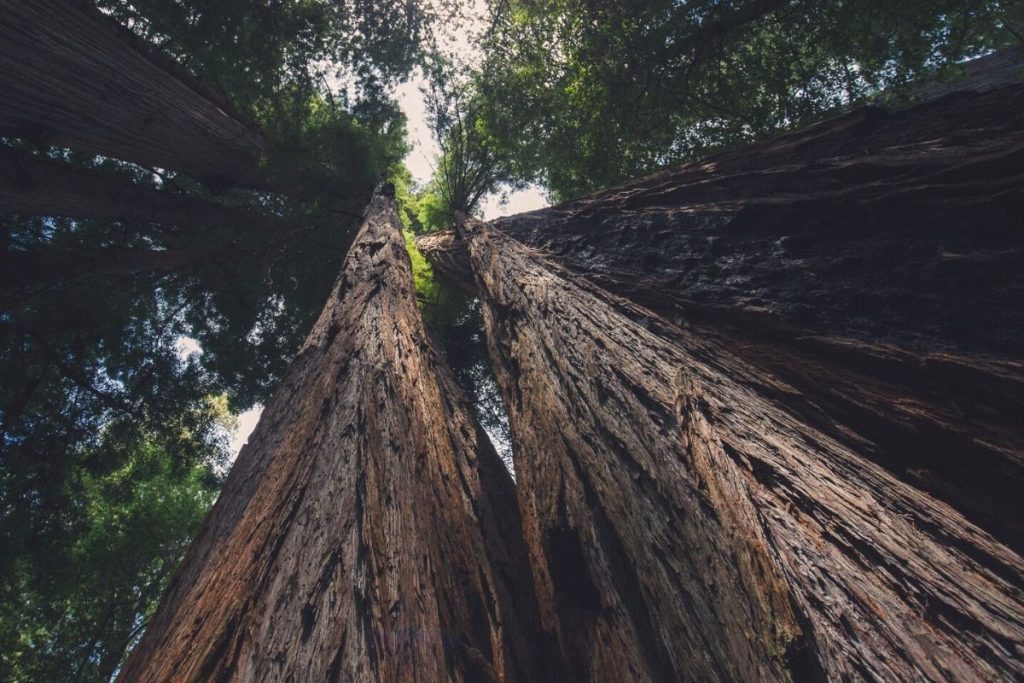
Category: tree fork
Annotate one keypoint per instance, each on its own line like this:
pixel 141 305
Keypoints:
pixel 683 525
pixel 368 531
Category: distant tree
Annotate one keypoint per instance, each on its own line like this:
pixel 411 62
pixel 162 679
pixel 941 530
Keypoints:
pixel 469 166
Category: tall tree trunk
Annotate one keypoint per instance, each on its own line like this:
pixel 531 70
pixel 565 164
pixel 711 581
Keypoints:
pixel 870 266
pixel 684 524
pixel 901 228
pixel 35 186
pixel 23 270
pixel 71 76
pixel 949 425
pixel 368 531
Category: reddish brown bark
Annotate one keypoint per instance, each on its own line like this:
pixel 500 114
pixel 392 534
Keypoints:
pixel 368 531
pixel 686 524
pixel 870 266
pixel 947 424
pixel 894 227
pixel 71 76
pixel 448 255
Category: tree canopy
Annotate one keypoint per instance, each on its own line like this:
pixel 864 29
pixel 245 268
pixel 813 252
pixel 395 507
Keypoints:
pixel 585 94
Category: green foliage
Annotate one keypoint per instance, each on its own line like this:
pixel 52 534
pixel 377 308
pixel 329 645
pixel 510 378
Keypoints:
pixel 472 164
pixel 322 153
pixel 432 211
pixel 108 439
pixel 583 95
pixel 422 209
pixel 441 306
pixel 77 595
pixel 254 49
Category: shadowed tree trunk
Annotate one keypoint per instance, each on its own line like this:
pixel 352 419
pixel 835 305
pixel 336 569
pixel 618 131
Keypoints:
pixel 684 524
pixel 24 270
pixel 368 531
pixel 902 228
pixel 73 77
pixel 31 185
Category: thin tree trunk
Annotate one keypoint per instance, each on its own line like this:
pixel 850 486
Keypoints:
pixel 22 270
pixel 34 186
pixel 685 525
pixel 368 531
pixel 73 77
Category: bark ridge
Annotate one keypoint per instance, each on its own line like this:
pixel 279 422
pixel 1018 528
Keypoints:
pixel 683 524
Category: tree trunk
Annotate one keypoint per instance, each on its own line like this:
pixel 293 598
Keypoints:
pixel 36 186
pixel 686 524
pixel 24 270
pixel 899 228
pixel 948 425
pixel 71 76
pixel 368 531
pixel 870 266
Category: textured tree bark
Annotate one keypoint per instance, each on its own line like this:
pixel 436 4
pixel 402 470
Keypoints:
pixel 685 524
pixel 35 186
pixel 949 425
pixel 448 255
pixel 368 531
pixel 71 76
pixel 900 228
pixel 21 270
pixel 871 269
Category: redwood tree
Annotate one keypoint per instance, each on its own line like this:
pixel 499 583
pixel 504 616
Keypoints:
pixel 869 265
pixel 686 524
pixel 368 531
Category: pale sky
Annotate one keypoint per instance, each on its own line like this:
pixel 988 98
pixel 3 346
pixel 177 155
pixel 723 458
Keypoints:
pixel 459 42
pixel 186 346
pixel 420 160
pixel 246 423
